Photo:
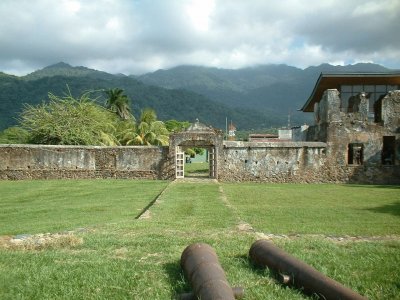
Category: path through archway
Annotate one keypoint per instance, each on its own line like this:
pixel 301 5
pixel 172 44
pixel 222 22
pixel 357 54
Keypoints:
pixel 197 136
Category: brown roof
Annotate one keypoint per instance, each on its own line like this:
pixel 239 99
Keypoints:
pixel 334 81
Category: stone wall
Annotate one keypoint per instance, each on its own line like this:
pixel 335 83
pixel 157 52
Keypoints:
pixel 391 111
pixel 273 162
pixel 300 162
pixel 43 161
pixel 341 129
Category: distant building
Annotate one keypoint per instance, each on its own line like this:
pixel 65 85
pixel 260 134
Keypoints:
pixel 231 132
pixel 263 137
pixel 285 134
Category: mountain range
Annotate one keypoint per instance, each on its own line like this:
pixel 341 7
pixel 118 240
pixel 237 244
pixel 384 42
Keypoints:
pixel 253 98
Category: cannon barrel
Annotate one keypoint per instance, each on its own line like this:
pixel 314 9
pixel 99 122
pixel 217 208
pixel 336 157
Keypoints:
pixel 297 273
pixel 206 276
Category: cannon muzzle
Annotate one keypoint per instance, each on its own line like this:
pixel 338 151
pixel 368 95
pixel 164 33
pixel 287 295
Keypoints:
pixel 205 274
pixel 297 273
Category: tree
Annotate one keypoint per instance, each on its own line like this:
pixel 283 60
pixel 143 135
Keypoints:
pixel 118 102
pixel 69 121
pixel 149 131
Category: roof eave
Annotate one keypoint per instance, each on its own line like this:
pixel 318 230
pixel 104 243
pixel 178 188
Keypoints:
pixel 308 107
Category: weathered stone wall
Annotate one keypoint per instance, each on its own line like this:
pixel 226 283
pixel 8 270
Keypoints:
pixel 273 162
pixel 40 161
pixel 340 129
pixel 391 111
pixel 302 162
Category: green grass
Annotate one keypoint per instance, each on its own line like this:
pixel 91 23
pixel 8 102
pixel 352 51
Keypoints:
pixel 41 206
pixel 196 168
pixel 318 209
pixel 125 258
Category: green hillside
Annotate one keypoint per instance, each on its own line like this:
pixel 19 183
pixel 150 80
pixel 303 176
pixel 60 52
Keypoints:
pixel 279 89
pixel 253 98
pixel 176 104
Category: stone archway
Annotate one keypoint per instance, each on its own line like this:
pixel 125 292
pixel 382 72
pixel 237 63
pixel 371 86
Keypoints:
pixel 197 135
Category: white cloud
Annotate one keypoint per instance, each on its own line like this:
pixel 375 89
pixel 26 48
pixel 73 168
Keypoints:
pixel 199 12
pixel 144 35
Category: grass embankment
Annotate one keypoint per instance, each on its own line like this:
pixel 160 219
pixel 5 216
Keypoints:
pixel 123 258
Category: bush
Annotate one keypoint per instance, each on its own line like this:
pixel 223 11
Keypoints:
pixel 69 121
pixel 14 135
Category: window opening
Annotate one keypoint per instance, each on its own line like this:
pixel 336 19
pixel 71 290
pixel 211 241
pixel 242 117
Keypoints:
pixel 378 110
pixel 355 154
pixel 374 92
pixel 388 150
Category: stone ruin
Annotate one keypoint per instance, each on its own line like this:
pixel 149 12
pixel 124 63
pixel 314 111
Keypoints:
pixel 355 138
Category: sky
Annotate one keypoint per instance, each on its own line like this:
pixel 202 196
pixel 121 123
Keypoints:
pixel 140 36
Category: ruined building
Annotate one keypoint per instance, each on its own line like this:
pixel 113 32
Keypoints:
pixel 358 117
pixel 355 138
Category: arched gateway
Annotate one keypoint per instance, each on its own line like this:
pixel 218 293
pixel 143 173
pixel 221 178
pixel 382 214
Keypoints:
pixel 197 135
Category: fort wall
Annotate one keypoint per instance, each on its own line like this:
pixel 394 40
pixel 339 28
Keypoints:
pixel 45 162
pixel 277 162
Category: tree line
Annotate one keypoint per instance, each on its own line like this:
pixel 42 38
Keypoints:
pixel 83 120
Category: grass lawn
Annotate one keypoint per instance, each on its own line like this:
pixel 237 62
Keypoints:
pixel 121 257
pixel 41 206
pixel 197 169
pixel 318 209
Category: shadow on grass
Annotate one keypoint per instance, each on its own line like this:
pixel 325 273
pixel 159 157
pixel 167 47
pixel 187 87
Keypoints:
pixel 151 203
pixel 176 279
pixel 276 277
pixel 392 209
pixel 383 186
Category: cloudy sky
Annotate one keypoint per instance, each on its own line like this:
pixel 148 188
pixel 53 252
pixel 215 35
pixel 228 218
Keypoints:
pixel 138 36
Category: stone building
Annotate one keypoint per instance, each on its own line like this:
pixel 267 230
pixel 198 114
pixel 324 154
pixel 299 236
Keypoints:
pixel 358 117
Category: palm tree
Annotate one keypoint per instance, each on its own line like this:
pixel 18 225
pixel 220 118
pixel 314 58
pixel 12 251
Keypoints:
pixel 150 131
pixel 118 102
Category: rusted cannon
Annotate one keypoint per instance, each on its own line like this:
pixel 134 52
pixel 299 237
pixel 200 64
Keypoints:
pixel 294 272
pixel 206 276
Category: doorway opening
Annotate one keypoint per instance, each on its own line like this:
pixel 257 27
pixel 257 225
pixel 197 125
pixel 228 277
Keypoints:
pixel 197 164
pixel 389 150
pixel 355 154
pixel 202 160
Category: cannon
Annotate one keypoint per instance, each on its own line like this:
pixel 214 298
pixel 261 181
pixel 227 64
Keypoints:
pixel 205 274
pixel 292 271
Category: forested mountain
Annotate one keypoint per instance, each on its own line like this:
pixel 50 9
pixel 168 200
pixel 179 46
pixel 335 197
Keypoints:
pixel 253 98
pixel 178 104
pixel 279 89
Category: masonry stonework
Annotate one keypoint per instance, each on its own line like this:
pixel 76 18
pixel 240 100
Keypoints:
pixel 273 162
pixel 45 162
pixel 343 130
